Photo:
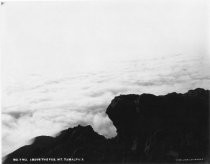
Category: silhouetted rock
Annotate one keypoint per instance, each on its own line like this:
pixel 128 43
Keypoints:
pixel 79 142
pixel 163 128
pixel 170 128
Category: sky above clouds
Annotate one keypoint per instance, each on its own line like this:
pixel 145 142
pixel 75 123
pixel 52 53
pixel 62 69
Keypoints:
pixel 63 62
pixel 53 37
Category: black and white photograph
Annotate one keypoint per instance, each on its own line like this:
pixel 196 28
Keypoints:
pixel 105 81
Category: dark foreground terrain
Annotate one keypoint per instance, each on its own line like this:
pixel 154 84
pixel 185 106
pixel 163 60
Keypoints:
pixel 170 128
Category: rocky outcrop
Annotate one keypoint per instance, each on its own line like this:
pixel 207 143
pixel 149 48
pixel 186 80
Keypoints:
pixel 79 142
pixel 163 128
pixel 170 128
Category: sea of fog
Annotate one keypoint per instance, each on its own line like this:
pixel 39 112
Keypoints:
pixel 38 104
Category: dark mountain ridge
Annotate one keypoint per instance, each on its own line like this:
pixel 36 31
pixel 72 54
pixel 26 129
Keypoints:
pixel 170 128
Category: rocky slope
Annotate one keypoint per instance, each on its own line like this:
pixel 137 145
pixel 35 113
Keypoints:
pixel 170 128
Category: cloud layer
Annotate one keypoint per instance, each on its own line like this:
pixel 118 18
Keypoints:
pixel 42 105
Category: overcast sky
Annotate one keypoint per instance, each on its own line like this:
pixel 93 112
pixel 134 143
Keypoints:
pixel 57 38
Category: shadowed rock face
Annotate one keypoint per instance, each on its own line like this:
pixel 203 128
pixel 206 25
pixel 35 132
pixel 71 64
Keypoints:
pixel 150 129
pixel 163 128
